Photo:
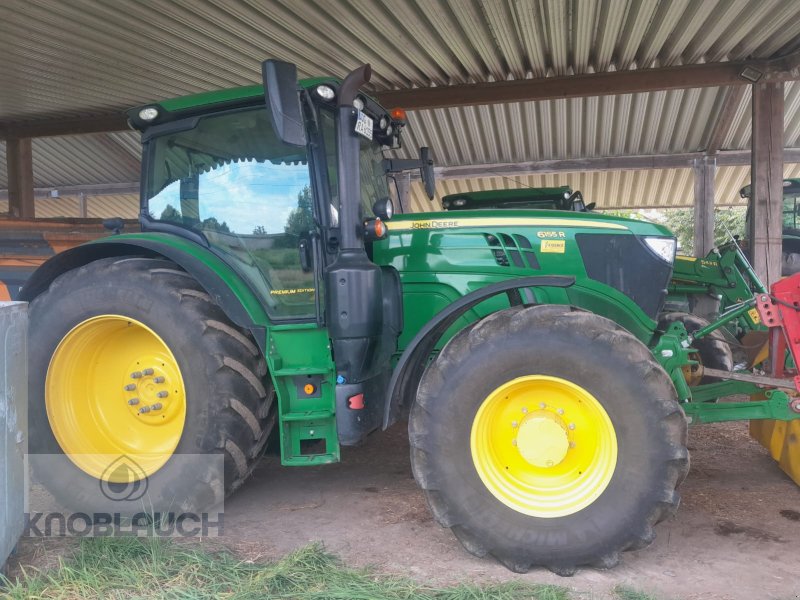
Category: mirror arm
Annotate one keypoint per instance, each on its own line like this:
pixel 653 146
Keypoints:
pixel 398 165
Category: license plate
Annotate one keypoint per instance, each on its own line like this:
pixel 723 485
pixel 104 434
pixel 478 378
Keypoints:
pixel 364 125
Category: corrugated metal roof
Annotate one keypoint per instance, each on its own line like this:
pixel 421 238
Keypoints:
pixel 98 207
pixel 663 122
pixel 67 58
pixel 72 59
pixel 81 160
pixel 653 188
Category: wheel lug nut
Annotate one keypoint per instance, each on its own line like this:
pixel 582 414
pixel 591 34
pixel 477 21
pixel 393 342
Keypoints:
pixel 133 401
pixel 572 444
pixel 158 379
pixel 147 372
pixel 162 394
pixel 571 425
pixel 136 375
pixel 144 409
pixel 130 387
pixel 514 424
pixel 560 411
pixel 524 411
pixel 513 442
pixel 542 405
pixel 156 406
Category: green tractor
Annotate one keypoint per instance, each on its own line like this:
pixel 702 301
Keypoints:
pixel 791 231
pixel 271 296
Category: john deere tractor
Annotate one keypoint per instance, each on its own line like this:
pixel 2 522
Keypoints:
pixel 271 295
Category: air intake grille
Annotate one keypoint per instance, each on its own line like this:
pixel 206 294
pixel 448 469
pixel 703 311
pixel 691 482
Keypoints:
pixel 512 250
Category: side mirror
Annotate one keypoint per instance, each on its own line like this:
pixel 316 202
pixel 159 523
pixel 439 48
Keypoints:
pixel 426 171
pixel 280 89
pixel 115 224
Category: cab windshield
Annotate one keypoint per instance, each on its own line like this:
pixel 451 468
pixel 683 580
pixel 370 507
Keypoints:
pixel 790 207
pixel 230 179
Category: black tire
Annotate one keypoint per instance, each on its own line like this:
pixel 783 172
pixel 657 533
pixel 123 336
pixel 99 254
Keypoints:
pixel 790 263
pixel 229 400
pixel 714 350
pixel 579 347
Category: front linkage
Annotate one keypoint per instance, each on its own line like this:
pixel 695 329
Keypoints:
pixel 773 388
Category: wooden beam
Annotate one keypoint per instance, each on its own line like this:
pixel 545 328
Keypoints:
pixel 724 122
pixel 704 170
pixel 19 160
pixel 733 158
pixel 55 127
pixel 102 189
pixel 593 84
pixel 766 174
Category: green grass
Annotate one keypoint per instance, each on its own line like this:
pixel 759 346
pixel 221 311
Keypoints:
pixel 154 568
pixel 624 592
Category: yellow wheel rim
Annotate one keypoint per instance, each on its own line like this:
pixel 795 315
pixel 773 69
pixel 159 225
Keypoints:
pixel 543 446
pixel 114 389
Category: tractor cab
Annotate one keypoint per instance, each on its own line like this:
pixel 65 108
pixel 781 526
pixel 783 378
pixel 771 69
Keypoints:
pixel 790 263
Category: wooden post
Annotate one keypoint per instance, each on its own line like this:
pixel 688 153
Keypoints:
pixel 403 191
pixel 19 159
pixel 704 170
pixel 83 206
pixel 766 176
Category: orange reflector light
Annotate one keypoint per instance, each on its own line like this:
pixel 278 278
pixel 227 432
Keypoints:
pixel 309 389
pixel 356 402
pixel 380 229
pixel 398 114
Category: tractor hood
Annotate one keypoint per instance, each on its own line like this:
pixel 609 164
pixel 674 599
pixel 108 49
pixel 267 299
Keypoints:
pixel 632 257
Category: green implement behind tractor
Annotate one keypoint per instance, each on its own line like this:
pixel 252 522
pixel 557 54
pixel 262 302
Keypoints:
pixel 270 295
pixel 553 198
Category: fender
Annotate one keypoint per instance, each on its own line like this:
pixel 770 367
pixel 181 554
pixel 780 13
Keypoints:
pixel 408 372
pixel 222 283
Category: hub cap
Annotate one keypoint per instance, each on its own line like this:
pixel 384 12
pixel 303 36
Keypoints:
pixel 543 446
pixel 114 389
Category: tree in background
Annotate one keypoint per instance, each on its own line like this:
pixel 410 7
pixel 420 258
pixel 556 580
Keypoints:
pixel 170 213
pixel 301 220
pixel 681 222
pixel 212 224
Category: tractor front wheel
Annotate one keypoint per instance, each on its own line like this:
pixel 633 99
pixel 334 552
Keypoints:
pixel 548 436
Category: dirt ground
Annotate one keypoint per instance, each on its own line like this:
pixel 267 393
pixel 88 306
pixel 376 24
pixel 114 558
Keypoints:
pixel 736 535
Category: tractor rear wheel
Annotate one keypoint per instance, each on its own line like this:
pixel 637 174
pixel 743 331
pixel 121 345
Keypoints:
pixel 548 436
pixel 131 358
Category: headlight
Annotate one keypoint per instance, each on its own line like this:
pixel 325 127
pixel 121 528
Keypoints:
pixel 148 114
pixel 358 103
pixel 383 209
pixel 663 247
pixel 326 92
